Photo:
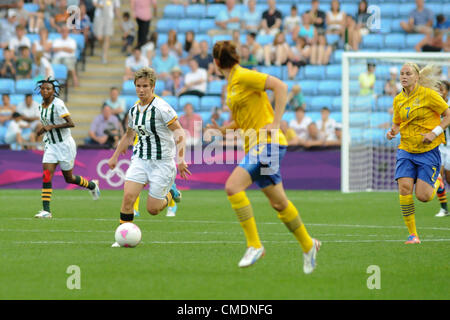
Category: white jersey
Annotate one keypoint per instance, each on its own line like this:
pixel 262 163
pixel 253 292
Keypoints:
pixel 54 114
pixel 330 129
pixel 155 139
pixel 301 129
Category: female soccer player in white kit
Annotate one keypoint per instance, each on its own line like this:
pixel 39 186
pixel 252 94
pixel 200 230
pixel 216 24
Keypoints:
pixel 159 136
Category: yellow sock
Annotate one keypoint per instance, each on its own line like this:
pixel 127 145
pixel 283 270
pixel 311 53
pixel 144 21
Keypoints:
pixel 407 208
pixel 136 204
pixel 292 220
pixel 241 205
pixel 172 203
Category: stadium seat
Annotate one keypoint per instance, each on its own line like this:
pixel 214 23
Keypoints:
pixel 206 25
pixel 221 37
pixel 185 25
pixel 336 116
pixel 24 86
pixel 33 37
pixel 314 72
pixel 290 84
pixel 213 9
pixel 334 72
pixel 61 72
pixel 359 119
pixel 314 115
pixel 356 135
pixel 336 104
pixel 206 115
pixel 162 38
pixel 130 100
pixel 385 26
pixel 172 100
pixel 195 11
pixel 284 8
pixel 7 86
pixel 289 39
pixel 395 25
pixel 382 72
pixel 378 118
pixel 207 103
pixel 384 103
pixel 128 88
pixel 372 41
pixel 317 103
pixel 264 39
pixel 288 116
pixel 337 56
pixel 164 25
pixel 215 87
pixel 389 10
pixel 15 99
pixel 31 7
pixel 159 87
pixel 173 11
pixel 309 87
pixel 446 9
pixel 405 9
pixel 356 70
pixel 413 39
pixel 394 41
pixel 204 37
pixel 308 100
pixel 332 38
pixel 1 54
pixel 329 88
pixel 354 87
pixel 360 103
pixel 271 70
pixel 194 100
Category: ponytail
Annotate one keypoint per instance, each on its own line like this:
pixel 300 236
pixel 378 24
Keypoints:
pixel 428 76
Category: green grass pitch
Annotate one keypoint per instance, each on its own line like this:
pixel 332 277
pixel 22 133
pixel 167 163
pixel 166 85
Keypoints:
pixel 195 254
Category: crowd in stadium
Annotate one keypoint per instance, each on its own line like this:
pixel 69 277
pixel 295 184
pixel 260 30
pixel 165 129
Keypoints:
pixel 293 41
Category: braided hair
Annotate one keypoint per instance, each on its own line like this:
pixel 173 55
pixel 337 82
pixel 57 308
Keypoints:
pixel 55 84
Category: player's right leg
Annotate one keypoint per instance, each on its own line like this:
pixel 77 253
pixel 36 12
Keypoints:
pixel 46 195
pixel 235 187
pixel 405 189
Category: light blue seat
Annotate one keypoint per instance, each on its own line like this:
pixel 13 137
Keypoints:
pixel 405 9
pixel 79 39
pixel 356 70
pixel 337 56
pixel 173 11
pixel 332 38
pixel 375 135
pixel 372 40
pixel 31 7
pixel 378 118
pixel 284 8
pixel 336 104
pixel 162 38
pixel 362 103
pixel 61 71
pixel 314 72
pixel 359 119
pixel 389 10
pixel 15 99
pixel 33 37
pixel 185 25
pixel 356 135
pixel 349 8
pixel 204 37
pixel 354 87
pixel 213 9
pixel 165 25
pixel 319 102
pixel 206 115
pixel 382 72
pixel 264 39
pixel 194 100
pixel 395 25
pixel 334 72
pixel 128 88
pixel 207 103
pixel 288 116
pixel 221 37
pixel 196 11
pixel 130 100
pixel 215 87
pixel 159 87
pixel 385 26
pixel 309 87
pixel 290 84
pixel 384 103
pixel 1 54
pixel 329 87
pixel 7 86
pixel 314 115
pixel 336 116
pixel 271 70
pixel 24 86
pixel 413 39
pixel 172 100
pixel 206 24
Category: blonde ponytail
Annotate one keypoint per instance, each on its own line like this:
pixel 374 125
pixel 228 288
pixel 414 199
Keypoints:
pixel 428 76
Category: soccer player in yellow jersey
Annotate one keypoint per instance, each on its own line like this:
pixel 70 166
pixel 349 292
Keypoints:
pixel 417 117
pixel 265 146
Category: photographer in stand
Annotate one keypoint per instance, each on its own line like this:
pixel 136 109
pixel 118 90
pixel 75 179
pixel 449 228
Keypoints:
pixel 105 129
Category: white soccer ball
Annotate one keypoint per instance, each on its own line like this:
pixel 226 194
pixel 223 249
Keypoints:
pixel 128 235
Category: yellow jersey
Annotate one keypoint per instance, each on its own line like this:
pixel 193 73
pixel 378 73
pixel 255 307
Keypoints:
pixel 420 112
pixel 250 106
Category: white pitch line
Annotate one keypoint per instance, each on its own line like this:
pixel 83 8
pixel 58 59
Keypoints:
pixel 172 220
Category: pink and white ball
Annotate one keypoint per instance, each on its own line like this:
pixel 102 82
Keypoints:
pixel 128 235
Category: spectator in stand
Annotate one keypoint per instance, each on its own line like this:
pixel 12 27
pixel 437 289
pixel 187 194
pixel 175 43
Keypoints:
pixel 8 28
pixel 293 21
pixel 163 63
pixel 175 46
pixel 320 51
pixel 6 108
pixel 318 17
pixel 336 19
pixel 86 27
pixel 23 16
pixel 298 57
pixel 105 129
pixel 251 19
pixel 59 16
pixel 19 40
pixel 306 30
pixel 143 11
pixel 29 110
pixel 43 45
pixel 190 47
pixel 24 64
pixel 64 50
pixel 133 63
pixel 433 42
pixel 148 50
pixel 175 83
pixel 392 87
pixel 420 19
pixel 192 124
pixel 305 129
pixel 195 81
pixel 367 80
pixel 271 19
pixel 36 19
pixel 277 52
pixel 105 11
pixel 295 98
pixel 205 60
pixel 227 20
pixel 117 104
pixel 42 68
pixel 358 28
pixel 247 59
pixel 255 48
pixel 289 133
pixel 8 65
pixel 441 22
pixel 329 130
pixel 128 31
pixel 13 135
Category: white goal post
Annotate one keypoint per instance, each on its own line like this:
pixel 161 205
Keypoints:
pixel 359 164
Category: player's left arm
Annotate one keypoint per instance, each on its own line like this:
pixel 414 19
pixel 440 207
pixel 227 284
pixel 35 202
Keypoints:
pixel 279 89
pixel 180 141
pixel 68 124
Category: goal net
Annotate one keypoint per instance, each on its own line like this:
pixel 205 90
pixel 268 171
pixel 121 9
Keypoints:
pixel 367 157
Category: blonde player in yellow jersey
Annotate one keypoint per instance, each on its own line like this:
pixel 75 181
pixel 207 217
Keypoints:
pixel 417 117
pixel 265 146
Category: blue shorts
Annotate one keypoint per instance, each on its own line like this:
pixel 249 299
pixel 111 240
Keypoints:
pixel 262 162
pixel 424 166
